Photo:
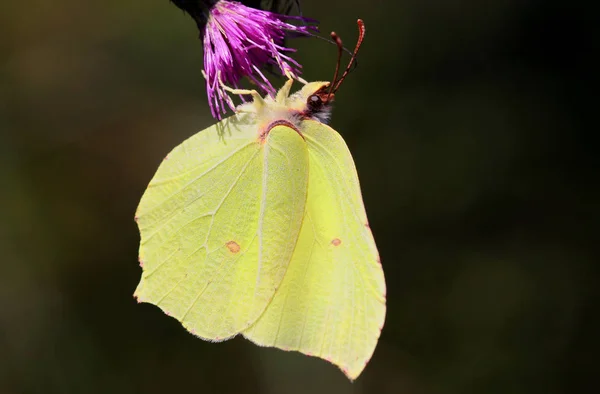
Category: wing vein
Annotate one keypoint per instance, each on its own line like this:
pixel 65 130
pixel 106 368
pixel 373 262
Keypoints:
pixel 194 179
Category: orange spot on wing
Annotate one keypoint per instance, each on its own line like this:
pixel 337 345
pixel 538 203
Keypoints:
pixel 233 246
pixel 336 242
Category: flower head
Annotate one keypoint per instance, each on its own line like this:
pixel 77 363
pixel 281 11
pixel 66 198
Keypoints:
pixel 238 42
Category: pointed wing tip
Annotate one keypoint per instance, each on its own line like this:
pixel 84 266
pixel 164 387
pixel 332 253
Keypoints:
pixel 138 298
pixel 352 372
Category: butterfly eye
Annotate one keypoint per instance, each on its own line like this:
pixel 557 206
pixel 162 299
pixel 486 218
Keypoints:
pixel 314 101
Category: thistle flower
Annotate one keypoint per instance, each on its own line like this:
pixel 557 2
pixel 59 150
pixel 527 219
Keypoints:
pixel 238 41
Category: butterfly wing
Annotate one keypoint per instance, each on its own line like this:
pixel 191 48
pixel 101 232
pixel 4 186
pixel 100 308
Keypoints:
pixel 218 225
pixel 331 303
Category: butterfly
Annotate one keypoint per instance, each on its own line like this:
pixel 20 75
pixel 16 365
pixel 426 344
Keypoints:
pixel 256 226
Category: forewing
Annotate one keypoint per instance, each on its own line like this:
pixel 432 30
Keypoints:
pixel 218 224
pixel 331 303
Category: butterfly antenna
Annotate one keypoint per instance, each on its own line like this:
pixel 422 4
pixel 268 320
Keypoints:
pixel 361 36
pixel 338 42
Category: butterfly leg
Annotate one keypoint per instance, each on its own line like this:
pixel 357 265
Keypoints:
pixel 284 92
pixel 258 103
pixel 301 80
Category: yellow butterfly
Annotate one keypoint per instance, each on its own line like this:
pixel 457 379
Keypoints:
pixel 256 226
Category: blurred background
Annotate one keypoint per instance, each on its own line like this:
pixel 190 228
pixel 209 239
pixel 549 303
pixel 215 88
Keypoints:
pixel 471 126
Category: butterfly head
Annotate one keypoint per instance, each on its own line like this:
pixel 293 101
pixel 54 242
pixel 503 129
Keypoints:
pixel 318 104
pixel 313 101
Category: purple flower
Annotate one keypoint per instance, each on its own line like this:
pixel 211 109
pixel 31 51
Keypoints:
pixel 238 42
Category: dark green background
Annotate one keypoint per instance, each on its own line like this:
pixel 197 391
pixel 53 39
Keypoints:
pixel 473 130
